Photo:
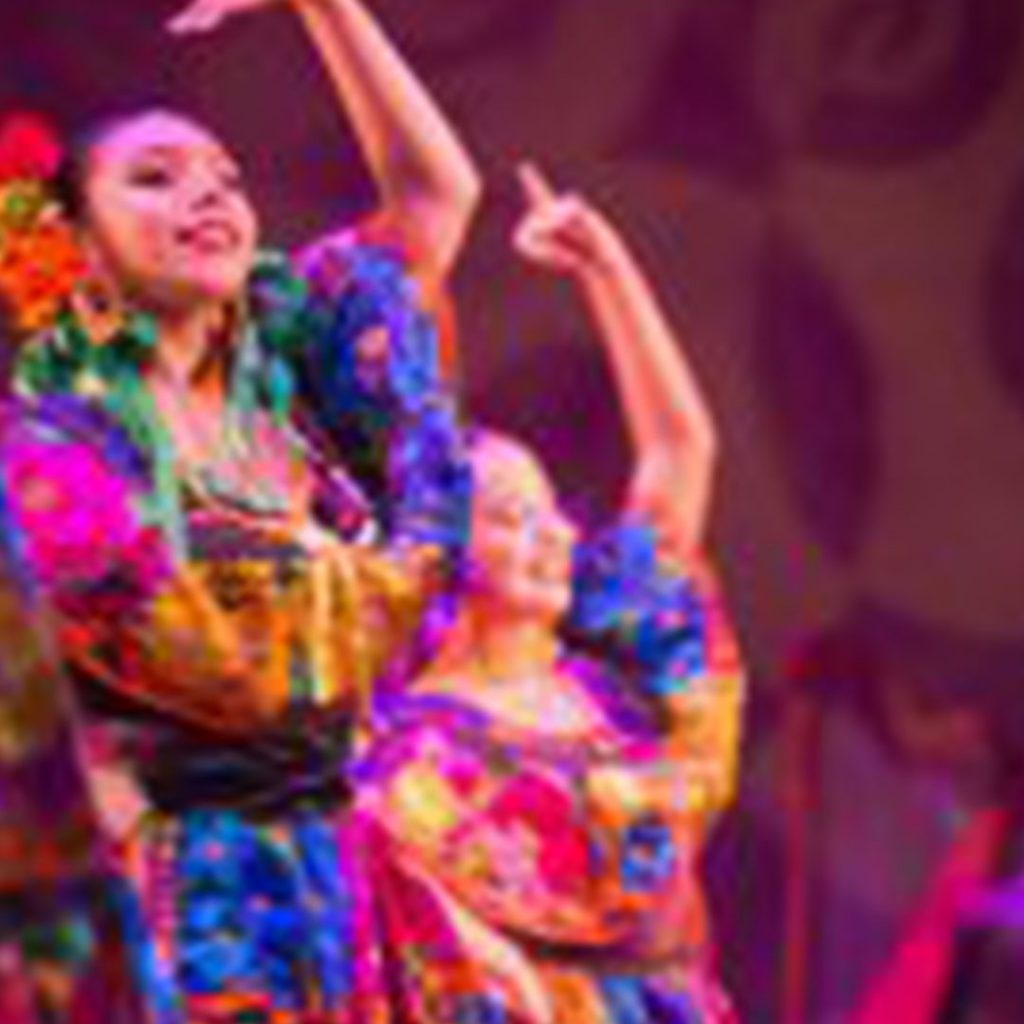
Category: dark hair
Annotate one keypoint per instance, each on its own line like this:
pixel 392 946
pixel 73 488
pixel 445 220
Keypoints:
pixel 68 183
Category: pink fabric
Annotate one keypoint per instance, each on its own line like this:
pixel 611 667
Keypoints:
pixel 911 989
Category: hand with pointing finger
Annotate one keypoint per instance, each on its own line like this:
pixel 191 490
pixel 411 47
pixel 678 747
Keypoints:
pixel 562 231
pixel 206 15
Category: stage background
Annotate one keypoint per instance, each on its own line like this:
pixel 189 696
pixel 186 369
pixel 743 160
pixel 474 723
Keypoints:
pixel 830 196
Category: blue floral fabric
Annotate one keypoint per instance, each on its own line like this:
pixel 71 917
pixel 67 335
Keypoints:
pixel 381 398
pixel 265 913
pixel 631 609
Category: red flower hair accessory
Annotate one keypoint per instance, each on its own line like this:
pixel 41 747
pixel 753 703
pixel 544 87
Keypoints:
pixel 40 261
pixel 29 148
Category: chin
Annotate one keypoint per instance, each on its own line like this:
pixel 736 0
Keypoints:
pixel 547 607
pixel 200 291
pixel 221 285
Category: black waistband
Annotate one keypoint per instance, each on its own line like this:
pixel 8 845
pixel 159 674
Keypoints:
pixel 299 762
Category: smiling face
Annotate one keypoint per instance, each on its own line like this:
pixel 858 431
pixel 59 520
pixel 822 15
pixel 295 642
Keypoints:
pixel 521 544
pixel 166 213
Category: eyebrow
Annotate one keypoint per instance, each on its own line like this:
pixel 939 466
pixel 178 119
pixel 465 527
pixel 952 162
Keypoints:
pixel 166 149
pixel 519 501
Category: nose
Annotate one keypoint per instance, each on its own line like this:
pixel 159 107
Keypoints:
pixel 206 188
pixel 555 532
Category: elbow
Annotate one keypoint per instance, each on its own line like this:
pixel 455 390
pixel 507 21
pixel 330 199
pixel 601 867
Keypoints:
pixel 694 433
pixel 449 180
pixel 704 446
pixel 708 435
pixel 687 448
pixel 452 192
pixel 467 190
pixel 437 220
pixel 457 205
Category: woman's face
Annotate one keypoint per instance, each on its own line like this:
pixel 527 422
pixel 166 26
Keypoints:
pixel 167 214
pixel 521 543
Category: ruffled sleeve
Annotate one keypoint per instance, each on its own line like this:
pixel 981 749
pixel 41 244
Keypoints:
pixel 372 384
pixel 664 629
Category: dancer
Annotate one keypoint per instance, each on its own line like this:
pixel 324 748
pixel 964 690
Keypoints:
pixel 240 483
pixel 534 810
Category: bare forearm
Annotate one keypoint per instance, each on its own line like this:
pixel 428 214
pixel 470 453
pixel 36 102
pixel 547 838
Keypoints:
pixel 662 397
pixel 668 419
pixel 424 174
pixel 671 429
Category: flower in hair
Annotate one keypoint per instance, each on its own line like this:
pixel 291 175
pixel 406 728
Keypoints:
pixel 40 260
pixel 29 149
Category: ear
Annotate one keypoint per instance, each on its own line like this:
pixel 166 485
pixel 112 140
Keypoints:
pixel 97 301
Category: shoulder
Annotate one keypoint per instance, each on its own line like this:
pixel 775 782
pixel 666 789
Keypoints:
pixel 334 290
pixel 366 256
pixel 624 568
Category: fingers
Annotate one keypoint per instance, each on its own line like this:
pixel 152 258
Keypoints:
pixel 547 208
pixel 562 216
pixel 524 240
pixel 197 18
pixel 554 230
pixel 532 240
pixel 537 190
pixel 547 245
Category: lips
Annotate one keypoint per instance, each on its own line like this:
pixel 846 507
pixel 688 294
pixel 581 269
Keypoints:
pixel 211 236
pixel 552 570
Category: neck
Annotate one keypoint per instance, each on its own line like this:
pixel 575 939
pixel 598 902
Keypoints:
pixel 483 640
pixel 190 343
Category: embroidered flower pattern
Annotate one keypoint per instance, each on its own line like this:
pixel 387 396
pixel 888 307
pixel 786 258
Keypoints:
pixel 79 518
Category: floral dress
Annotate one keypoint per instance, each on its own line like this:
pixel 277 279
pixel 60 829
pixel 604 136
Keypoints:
pixel 224 649
pixel 522 876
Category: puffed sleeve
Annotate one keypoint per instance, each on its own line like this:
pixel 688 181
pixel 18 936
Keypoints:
pixel 370 379
pixel 663 627
pixel 126 615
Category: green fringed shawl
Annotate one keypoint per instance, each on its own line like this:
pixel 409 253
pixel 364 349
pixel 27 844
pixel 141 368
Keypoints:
pixel 65 360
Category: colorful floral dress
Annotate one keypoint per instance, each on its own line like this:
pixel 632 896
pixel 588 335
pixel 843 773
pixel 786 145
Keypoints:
pixel 223 649
pixel 520 876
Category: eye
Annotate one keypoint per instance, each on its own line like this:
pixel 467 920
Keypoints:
pixel 151 176
pixel 506 513
pixel 231 178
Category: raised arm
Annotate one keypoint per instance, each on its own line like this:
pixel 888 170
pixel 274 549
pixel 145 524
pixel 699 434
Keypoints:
pixel 673 435
pixel 427 182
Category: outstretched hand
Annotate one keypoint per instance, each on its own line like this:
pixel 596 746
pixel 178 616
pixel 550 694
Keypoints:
pixel 561 231
pixel 206 15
